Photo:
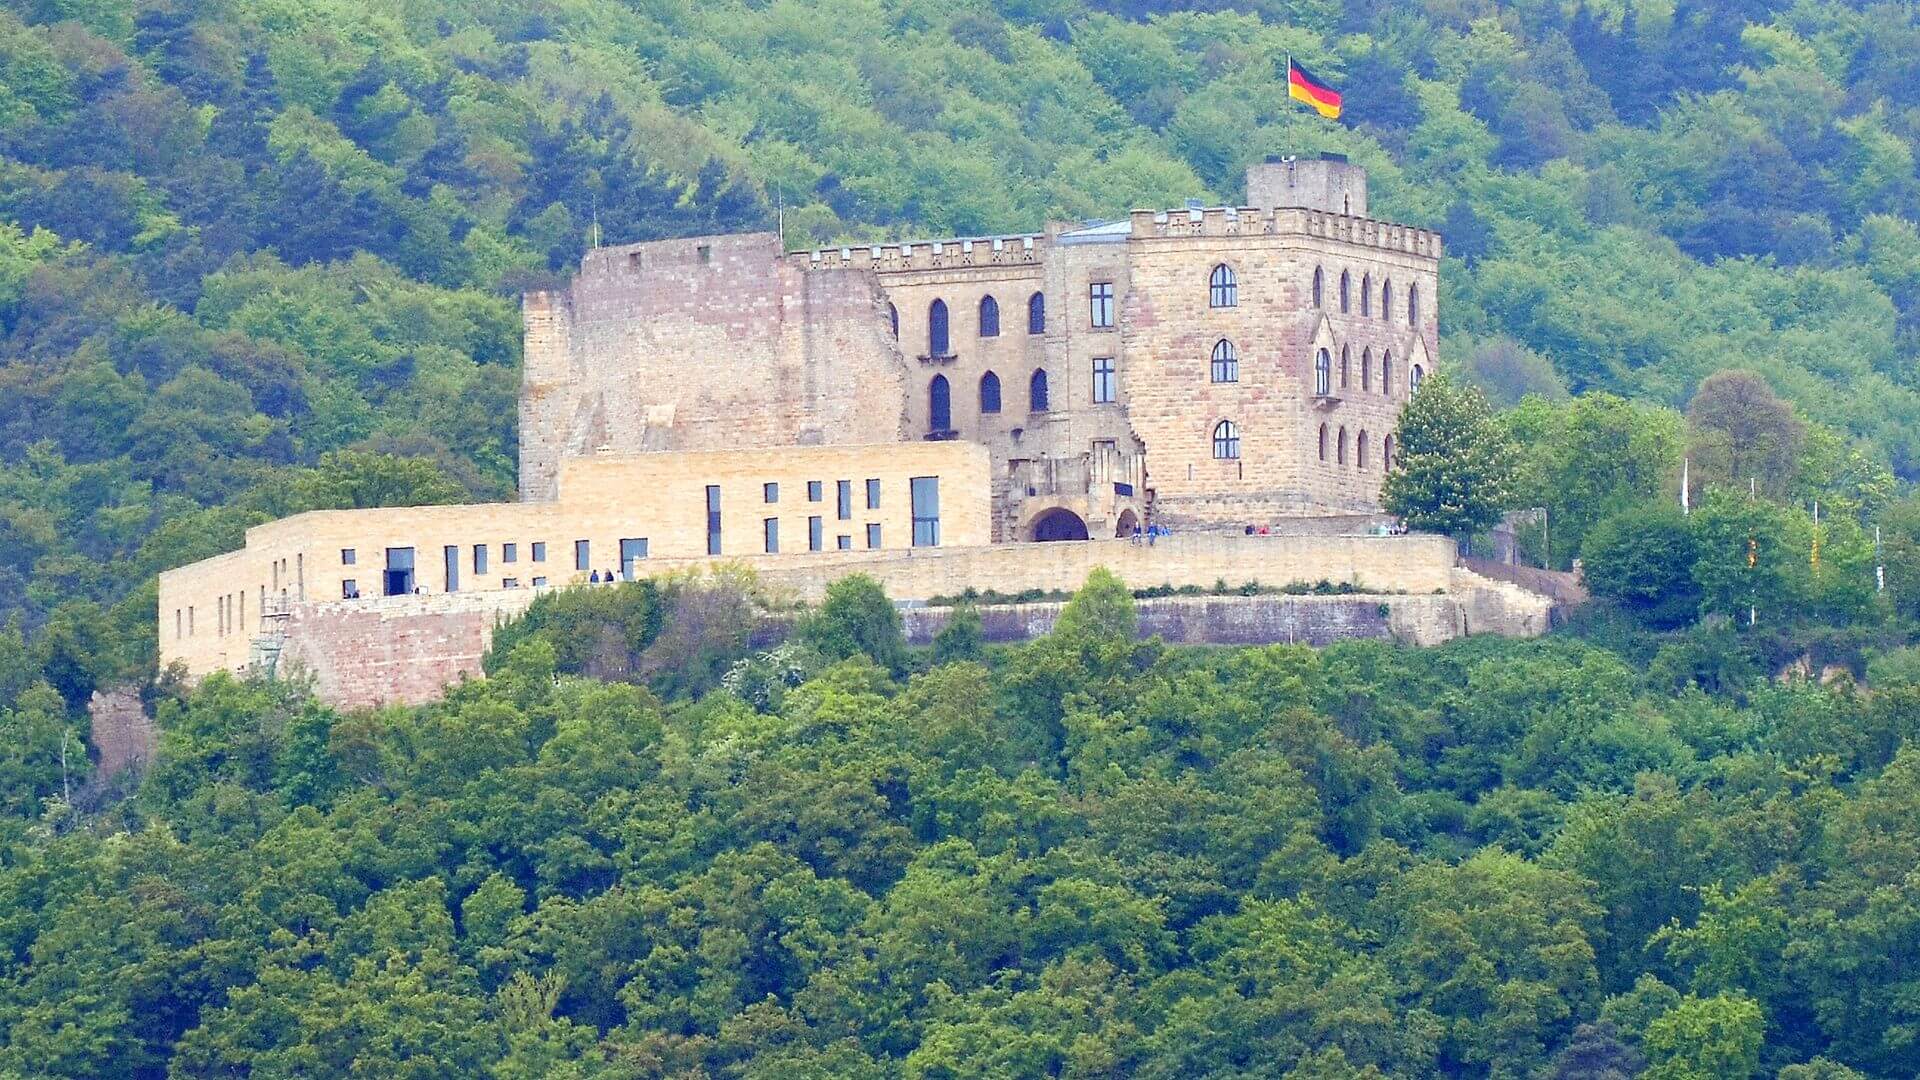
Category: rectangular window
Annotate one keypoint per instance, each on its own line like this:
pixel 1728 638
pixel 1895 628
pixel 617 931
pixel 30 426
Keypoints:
pixel 873 494
pixel 509 552
pixel 631 551
pixel 816 533
pixel 479 558
pixel 771 529
pixel 926 510
pixel 451 555
pixel 178 624
pixel 349 590
pixel 509 582
pixel 844 543
pixel 1100 304
pixel 347 556
pixel 814 490
pixel 539 551
pixel 582 555
pixel 189 620
pixel 713 519
pixel 844 490
pixel 873 535
pixel 770 492
pixel 1106 383
pixel 539 583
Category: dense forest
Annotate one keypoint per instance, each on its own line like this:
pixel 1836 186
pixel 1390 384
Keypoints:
pixel 260 256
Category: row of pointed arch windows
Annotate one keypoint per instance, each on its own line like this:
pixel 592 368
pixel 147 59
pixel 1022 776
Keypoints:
pixel 1366 296
pixel 1359 444
pixel 1323 371
pixel 940 398
pixel 939 339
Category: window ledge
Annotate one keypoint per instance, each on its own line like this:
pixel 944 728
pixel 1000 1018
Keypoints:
pixel 948 435
pixel 943 358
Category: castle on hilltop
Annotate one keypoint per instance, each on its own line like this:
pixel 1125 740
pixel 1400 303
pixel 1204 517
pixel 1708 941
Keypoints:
pixel 1208 367
pixel 1196 396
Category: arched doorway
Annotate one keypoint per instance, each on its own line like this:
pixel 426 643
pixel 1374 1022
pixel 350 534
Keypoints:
pixel 1128 522
pixel 1058 524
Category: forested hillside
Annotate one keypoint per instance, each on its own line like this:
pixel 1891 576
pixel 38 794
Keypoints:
pixel 258 256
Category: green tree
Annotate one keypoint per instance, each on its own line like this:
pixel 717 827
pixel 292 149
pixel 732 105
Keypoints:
pixel 1453 469
pixel 1706 1039
pixel 1644 558
pixel 960 638
pixel 856 617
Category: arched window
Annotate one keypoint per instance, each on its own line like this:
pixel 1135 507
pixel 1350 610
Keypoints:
pixel 1323 442
pixel 1340 448
pixel 1345 357
pixel 1386 453
pixel 1226 440
pixel 1037 391
pixel 1319 286
pixel 1413 305
pixel 1037 314
pixel 989 317
pixel 1414 377
pixel 1223 289
pixel 1366 294
pixel 1360 449
pixel 893 316
pixel 1226 362
pixel 1366 368
pixel 989 393
pixel 1386 300
pixel 1323 374
pixel 939 405
pixel 1386 373
pixel 937 329
pixel 1346 293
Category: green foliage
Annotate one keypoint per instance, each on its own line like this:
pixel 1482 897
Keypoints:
pixel 1453 467
pixel 961 638
pixel 1644 558
pixel 857 618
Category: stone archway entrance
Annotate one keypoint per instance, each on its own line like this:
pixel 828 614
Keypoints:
pixel 1057 524
pixel 1128 522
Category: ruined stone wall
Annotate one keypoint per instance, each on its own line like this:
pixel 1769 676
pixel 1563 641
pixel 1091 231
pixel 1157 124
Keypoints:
pixel 710 343
pixel 405 651
pixel 1229 620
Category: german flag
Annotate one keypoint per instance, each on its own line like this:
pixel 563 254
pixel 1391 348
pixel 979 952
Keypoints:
pixel 1302 86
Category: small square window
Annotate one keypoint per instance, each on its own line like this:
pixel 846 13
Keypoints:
pixel 540 551
pixel 815 490
pixel 873 536
pixel 770 492
pixel 349 590
pixel 509 553
pixel 348 556
pixel 844 543
pixel 539 582
pixel 510 583
pixel 873 494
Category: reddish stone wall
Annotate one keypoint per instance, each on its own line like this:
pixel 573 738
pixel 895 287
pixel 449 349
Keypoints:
pixel 123 735
pixel 712 343
pixel 370 653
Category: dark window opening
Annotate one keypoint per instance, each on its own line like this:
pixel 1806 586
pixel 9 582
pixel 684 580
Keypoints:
pixel 1037 391
pixel 582 555
pixel 399 575
pixel 816 532
pixel 873 494
pixel 989 317
pixel 713 519
pixel 937 329
pixel 989 393
pixel 1037 314
pixel 939 405
pixel 843 492
pixel 631 551
pixel 926 511
pixel 873 536
pixel 770 529
pixel 451 556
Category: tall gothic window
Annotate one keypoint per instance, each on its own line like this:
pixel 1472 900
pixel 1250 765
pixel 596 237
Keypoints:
pixel 1413 305
pixel 989 317
pixel 1386 373
pixel 937 329
pixel 1386 453
pixel 1345 364
pixel 1323 442
pixel 1037 391
pixel 1226 362
pixel 989 393
pixel 1037 313
pixel 1366 294
pixel 1386 300
pixel 1226 440
pixel 1366 369
pixel 1340 448
pixel 939 405
pixel 1360 449
pixel 1319 286
pixel 1414 378
pixel 1323 373
pixel 1346 293
pixel 1223 289
pixel 893 317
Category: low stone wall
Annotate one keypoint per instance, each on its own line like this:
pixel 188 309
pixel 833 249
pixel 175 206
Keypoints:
pixel 406 649
pixel 1229 620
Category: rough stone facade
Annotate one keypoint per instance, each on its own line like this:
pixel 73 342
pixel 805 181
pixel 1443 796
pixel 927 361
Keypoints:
pixel 716 342
pixel 703 344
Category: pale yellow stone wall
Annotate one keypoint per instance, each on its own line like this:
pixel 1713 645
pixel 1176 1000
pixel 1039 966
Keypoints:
pixel 210 611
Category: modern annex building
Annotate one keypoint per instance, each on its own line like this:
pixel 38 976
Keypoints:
pixel 919 411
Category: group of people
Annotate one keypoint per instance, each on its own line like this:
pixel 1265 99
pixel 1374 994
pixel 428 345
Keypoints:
pixel 597 577
pixel 1150 533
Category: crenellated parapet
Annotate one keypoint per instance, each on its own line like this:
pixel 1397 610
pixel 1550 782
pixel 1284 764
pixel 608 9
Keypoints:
pixel 1231 222
pixel 920 255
